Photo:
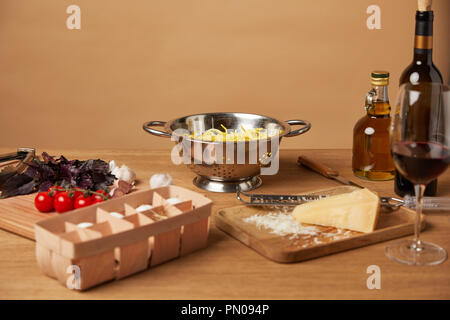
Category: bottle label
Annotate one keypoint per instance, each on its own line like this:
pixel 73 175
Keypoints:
pixel 423 42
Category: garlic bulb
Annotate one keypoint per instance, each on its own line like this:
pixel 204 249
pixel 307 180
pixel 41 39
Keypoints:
pixel 126 174
pixel 112 165
pixel 122 173
pixel 160 180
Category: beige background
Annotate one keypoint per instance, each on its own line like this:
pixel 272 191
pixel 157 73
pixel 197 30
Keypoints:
pixel 161 59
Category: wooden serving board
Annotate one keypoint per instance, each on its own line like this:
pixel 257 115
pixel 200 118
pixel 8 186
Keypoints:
pixel 18 215
pixel 286 249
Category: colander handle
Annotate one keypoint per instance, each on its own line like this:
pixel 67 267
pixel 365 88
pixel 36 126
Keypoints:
pixel 147 127
pixel 293 133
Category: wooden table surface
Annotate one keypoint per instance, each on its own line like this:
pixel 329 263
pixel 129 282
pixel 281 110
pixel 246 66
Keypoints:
pixel 227 269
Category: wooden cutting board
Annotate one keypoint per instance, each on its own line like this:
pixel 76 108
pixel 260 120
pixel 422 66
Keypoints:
pixel 286 249
pixel 18 215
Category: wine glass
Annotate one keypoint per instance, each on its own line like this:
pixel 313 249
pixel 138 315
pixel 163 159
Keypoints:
pixel 420 136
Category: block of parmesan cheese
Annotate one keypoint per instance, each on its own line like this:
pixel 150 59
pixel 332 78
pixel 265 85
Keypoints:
pixel 357 210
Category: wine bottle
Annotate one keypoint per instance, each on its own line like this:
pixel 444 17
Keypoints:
pixel 422 69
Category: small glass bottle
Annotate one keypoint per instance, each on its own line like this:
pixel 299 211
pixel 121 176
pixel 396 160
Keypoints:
pixel 371 146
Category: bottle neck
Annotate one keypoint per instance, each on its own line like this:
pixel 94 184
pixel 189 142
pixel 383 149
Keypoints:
pixel 380 102
pixel 423 40
pixel 423 57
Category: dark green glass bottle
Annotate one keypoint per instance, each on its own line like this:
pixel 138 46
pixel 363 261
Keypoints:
pixel 422 69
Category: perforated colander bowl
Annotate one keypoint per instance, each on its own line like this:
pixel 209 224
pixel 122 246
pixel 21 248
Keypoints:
pixel 230 165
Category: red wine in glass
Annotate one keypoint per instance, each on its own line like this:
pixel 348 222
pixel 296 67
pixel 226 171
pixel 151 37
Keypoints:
pixel 420 143
pixel 420 162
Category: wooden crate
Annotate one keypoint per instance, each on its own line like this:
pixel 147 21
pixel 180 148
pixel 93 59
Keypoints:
pixel 113 248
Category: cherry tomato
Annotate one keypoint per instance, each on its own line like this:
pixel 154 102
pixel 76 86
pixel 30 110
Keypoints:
pixel 77 193
pixel 54 190
pixel 96 200
pixel 102 192
pixel 62 202
pixel 82 201
pixel 97 196
pixel 43 202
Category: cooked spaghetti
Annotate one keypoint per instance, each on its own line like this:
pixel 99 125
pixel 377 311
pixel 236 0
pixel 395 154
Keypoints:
pixel 234 135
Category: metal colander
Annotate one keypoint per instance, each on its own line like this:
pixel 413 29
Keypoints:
pixel 231 165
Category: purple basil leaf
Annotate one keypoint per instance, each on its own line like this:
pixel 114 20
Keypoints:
pixel 45 171
pixel 48 159
pixel 69 173
pixel 45 185
pixel 90 174
pixel 31 172
pixel 102 181
pixel 18 185
pixel 86 182
pixel 100 166
pixel 87 165
pixel 6 174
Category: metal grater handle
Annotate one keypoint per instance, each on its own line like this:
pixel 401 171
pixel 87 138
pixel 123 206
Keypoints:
pixel 20 154
pixel 429 203
pixel 275 199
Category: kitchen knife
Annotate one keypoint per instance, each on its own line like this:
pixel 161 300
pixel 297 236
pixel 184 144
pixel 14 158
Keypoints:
pixel 325 171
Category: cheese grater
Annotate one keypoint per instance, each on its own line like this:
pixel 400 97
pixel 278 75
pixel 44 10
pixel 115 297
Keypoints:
pixel 276 199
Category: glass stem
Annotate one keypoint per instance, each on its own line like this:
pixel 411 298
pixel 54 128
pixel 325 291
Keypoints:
pixel 419 189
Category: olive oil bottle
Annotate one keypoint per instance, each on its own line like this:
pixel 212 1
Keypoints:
pixel 371 148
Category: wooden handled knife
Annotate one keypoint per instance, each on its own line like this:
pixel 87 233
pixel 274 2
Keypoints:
pixel 325 171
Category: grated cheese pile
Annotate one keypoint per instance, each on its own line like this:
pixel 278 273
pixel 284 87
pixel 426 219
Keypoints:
pixel 281 224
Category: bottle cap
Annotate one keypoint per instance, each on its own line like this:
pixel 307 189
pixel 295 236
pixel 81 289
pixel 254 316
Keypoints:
pixel 424 5
pixel 379 78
